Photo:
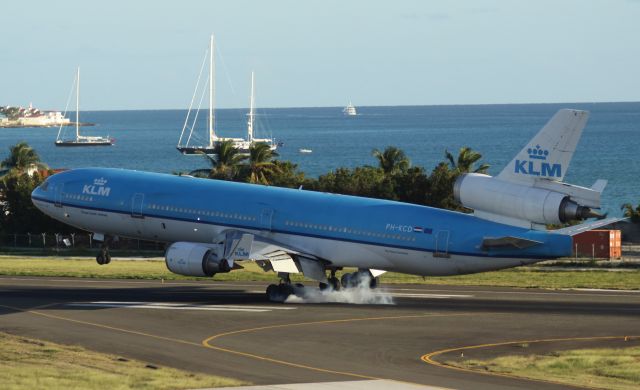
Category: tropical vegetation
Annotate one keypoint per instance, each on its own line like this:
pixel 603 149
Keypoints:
pixel 631 212
pixel 21 159
pixel 23 171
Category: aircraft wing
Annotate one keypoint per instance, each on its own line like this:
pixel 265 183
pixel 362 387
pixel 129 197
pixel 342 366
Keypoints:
pixel 274 255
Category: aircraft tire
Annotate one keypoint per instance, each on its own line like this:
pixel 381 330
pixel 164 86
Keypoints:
pixel 334 283
pixel 346 280
pixel 100 259
pixel 271 291
pixel 107 258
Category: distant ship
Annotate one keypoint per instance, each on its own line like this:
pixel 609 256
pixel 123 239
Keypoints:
pixel 241 144
pixel 81 140
pixel 303 150
pixel 350 110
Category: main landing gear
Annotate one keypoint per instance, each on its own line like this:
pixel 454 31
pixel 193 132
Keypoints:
pixel 280 292
pixel 359 279
pixel 334 283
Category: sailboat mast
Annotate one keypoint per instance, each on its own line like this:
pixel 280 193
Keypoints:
pixel 78 105
pixel 251 113
pixel 212 134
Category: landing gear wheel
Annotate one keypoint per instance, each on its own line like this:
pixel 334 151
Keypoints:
pixel 103 256
pixel 271 291
pixel 346 280
pixel 334 283
pixel 357 279
pixel 323 286
pixel 280 292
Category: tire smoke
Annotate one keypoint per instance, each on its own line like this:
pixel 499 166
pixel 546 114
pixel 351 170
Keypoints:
pixel 361 294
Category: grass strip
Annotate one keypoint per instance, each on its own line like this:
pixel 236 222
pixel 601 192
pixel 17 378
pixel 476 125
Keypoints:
pixel 600 368
pixel 525 277
pixel 34 364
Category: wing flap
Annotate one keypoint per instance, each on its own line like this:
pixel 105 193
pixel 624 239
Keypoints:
pixel 281 261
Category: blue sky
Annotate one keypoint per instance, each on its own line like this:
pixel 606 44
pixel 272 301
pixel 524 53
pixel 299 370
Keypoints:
pixel 146 54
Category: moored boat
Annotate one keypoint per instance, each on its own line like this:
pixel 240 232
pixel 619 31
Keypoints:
pixel 81 140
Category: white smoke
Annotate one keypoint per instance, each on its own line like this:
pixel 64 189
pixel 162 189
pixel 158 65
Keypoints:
pixel 359 295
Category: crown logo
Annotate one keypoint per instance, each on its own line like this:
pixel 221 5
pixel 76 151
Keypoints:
pixel 100 182
pixel 537 153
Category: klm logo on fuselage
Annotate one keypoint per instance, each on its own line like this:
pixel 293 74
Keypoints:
pixel 536 166
pixel 98 188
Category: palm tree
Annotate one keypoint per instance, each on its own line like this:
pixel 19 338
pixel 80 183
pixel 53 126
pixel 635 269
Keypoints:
pixel 21 158
pixel 225 163
pixel 467 157
pixel 630 212
pixel 260 164
pixel 392 160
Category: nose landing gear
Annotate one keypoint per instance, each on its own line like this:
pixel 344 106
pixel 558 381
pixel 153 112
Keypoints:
pixel 103 256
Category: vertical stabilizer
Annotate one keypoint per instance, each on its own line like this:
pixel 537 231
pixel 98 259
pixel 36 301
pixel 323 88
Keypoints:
pixel 548 154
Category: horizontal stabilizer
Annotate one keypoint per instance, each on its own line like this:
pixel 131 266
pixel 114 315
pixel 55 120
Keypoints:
pixel 508 242
pixel 599 185
pixel 577 229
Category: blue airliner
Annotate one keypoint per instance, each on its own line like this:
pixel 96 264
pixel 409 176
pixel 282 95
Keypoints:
pixel 212 224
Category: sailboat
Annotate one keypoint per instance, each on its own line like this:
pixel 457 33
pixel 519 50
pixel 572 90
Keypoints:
pixel 81 140
pixel 350 110
pixel 241 144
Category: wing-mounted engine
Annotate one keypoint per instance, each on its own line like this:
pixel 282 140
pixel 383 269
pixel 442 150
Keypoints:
pixel 525 204
pixel 194 259
pixel 191 259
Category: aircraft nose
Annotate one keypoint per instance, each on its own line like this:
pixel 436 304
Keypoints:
pixel 42 192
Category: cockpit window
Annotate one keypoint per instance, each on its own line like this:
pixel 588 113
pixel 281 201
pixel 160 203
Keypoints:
pixel 44 185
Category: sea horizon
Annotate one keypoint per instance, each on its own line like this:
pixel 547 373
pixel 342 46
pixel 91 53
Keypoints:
pixel 147 139
pixel 342 106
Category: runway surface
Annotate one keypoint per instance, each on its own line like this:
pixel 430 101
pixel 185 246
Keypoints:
pixel 230 329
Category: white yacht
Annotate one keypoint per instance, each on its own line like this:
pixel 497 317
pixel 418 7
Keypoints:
pixel 81 140
pixel 350 110
pixel 185 144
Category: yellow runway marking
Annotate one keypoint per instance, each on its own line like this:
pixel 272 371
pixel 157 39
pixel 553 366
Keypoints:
pixel 135 332
pixel 429 357
pixel 207 342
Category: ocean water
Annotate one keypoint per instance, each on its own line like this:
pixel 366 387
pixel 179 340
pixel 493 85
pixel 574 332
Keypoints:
pixel 146 140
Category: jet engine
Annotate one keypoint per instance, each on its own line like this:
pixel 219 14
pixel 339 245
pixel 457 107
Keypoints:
pixel 190 259
pixel 552 205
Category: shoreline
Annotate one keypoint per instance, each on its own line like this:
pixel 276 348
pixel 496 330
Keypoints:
pixel 17 125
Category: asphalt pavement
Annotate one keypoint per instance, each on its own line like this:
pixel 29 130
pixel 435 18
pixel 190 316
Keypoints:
pixel 399 333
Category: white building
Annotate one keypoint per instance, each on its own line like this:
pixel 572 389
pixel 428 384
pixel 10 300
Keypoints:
pixel 48 118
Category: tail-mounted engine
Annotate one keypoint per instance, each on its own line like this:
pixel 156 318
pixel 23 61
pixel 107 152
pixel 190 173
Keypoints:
pixel 189 259
pixel 523 204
